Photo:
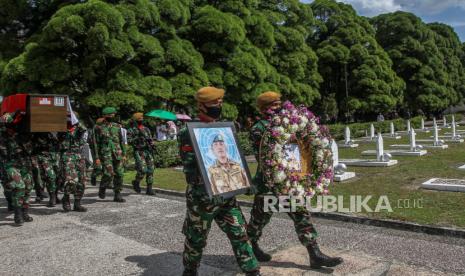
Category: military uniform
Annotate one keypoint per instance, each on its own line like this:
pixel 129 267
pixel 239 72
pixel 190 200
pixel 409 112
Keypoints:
pixel 227 177
pixel 73 165
pixel 201 210
pixel 111 152
pixel 17 167
pixel 44 152
pixel 140 138
pixel 96 168
pixel 259 218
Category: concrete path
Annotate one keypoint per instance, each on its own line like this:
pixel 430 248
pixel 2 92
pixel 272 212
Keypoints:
pixel 143 237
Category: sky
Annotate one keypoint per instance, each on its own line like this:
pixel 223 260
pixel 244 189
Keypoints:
pixel 450 12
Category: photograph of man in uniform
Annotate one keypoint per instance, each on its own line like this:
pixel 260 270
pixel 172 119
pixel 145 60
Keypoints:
pixel 292 155
pixel 225 174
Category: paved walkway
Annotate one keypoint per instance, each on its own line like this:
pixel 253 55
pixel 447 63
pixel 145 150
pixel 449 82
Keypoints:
pixel 143 237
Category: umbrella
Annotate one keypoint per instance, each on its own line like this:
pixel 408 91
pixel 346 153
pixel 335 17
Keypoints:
pixel 183 117
pixel 161 114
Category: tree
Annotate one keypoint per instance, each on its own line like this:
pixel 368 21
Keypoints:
pixel 415 50
pixel 355 68
pixel 107 54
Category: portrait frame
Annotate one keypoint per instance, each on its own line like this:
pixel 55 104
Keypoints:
pixel 202 135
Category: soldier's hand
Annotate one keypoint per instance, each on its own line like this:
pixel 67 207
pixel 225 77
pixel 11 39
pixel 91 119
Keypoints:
pixel 218 200
pixel 97 162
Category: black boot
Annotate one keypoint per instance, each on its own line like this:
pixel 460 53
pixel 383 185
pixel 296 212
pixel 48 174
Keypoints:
pixel 19 220
pixel 118 197
pixel 93 181
pixel 57 198
pixel 53 200
pixel 253 273
pixel 9 201
pixel 150 190
pixel 78 207
pixel 43 195
pixel 261 255
pixel 101 192
pixel 66 204
pixel 190 272
pixel 136 186
pixel 26 216
pixel 318 259
pixel 38 196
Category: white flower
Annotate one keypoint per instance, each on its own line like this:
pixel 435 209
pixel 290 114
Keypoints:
pixel 279 176
pixel 325 142
pixel 285 121
pixel 276 120
pixel 314 126
pixel 293 128
pixel 288 184
pixel 316 142
pixel 303 120
pixel 300 190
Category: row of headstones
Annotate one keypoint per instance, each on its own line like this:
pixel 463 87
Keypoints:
pixel 383 158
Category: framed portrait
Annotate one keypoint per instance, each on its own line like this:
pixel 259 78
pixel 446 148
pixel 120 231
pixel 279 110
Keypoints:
pixel 219 157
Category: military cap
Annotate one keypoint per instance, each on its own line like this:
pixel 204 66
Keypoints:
pixel 208 94
pixel 267 98
pixel 137 116
pixel 109 110
pixel 218 138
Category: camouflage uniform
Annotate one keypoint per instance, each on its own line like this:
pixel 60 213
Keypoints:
pixel 72 162
pixel 43 151
pixel 201 211
pixel 143 144
pixel 96 169
pixel 259 218
pixel 111 152
pixel 17 165
pixel 4 156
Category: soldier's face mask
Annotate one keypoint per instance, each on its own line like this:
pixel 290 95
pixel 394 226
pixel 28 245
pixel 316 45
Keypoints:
pixel 213 109
pixel 274 108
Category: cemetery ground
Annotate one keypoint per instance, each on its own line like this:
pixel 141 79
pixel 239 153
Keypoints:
pixel 400 183
pixel 143 237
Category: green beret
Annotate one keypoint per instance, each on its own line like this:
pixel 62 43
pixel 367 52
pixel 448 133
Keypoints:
pixel 218 138
pixel 108 110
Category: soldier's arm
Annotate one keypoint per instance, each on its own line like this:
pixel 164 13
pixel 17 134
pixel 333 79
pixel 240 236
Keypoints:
pixel 255 135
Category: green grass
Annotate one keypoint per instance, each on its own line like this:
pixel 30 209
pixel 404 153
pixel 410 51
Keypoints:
pixel 399 182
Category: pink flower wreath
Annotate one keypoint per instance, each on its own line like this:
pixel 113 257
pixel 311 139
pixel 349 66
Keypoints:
pixel 296 124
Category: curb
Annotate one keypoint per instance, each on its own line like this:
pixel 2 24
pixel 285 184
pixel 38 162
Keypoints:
pixel 386 223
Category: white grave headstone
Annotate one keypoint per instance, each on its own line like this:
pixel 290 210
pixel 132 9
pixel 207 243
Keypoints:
pixel 393 131
pixel 347 136
pixel 380 155
pixel 422 124
pixel 444 121
pixel 409 126
pixel 436 141
pixel 340 173
pixel 372 132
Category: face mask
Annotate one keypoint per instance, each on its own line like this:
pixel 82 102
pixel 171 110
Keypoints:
pixel 110 119
pixel 273 111
pixel 214 112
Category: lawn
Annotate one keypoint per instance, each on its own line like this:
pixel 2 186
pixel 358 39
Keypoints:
pixel 401 182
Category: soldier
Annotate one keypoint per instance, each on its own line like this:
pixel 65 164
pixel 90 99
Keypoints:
pixel 43 151
pixel 225 174
pixel 3 156
pixel 201 210
pixel 96 169
pixel 270 102
pixel 141 139
pixel 73 164
pixel 111 153
pixel 17 165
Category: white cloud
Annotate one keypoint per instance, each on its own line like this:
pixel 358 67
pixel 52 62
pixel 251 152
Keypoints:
pixel 374 7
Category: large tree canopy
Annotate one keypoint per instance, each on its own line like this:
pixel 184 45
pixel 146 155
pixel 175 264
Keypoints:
pixel 424 57
pixel 143 54
pixel 356 70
